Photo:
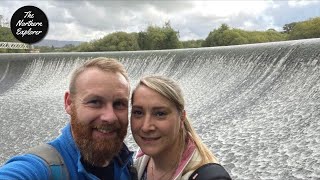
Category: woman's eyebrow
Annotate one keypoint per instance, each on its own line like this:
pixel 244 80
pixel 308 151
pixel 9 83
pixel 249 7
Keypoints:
pixel 136 106
pixel 159 108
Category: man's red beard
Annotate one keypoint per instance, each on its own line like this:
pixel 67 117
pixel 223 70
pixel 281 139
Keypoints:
pixel 96 151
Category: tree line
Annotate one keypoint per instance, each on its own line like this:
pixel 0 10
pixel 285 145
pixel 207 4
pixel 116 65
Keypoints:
pixel 165 37
pixel 6 36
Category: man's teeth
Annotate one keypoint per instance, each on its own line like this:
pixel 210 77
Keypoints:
pixel 104 130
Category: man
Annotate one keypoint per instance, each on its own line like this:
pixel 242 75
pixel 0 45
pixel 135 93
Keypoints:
pixel 91 145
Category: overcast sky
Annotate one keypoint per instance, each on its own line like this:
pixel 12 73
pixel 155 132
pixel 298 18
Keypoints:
pixel 81 20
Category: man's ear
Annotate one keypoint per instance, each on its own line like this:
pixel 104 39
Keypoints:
pixel 67 102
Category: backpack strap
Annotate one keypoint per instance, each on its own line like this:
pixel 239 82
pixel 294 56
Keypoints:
pixel 132 170
pixel 210 171
pixel 55 163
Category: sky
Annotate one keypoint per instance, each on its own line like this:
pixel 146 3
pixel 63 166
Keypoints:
pixel 80 20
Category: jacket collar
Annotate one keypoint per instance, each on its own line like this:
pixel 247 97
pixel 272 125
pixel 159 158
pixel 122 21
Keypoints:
pixel 124 156
pixel 185 159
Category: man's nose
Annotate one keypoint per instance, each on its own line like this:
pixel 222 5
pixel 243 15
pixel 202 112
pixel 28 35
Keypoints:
pixel 108 114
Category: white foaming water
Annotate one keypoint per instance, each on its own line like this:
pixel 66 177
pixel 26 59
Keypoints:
pixel 256 106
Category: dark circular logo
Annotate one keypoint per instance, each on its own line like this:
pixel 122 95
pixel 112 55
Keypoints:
pixel 29 24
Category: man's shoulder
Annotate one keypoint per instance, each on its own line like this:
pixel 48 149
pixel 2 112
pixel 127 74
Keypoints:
pixel 25 166
pixel 27 158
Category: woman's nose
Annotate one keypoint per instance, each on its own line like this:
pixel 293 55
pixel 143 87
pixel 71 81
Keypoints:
pixel 148 124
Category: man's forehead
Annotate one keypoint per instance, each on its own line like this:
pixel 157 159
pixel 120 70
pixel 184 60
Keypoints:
pixel 100 83
pixel 121 96
pixel 95 74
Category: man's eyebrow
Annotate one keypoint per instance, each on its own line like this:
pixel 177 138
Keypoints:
pixel 122 99
pixel 91 97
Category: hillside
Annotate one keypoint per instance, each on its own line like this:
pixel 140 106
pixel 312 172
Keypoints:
pixel 56 43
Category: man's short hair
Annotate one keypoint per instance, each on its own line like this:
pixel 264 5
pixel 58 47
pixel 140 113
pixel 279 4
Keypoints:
pixel 102 63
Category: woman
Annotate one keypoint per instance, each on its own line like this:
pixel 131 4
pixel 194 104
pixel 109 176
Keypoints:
pixel 169 146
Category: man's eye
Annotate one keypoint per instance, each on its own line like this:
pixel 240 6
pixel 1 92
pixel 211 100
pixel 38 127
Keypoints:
pixel 94 103
pixel 120 105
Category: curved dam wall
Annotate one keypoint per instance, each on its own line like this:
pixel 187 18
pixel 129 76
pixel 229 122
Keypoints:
pixel 256 106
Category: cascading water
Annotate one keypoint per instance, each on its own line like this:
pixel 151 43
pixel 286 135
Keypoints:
pixel 256 106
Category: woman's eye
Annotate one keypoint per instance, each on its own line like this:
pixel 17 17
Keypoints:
pixel 136 113
pixel 160 114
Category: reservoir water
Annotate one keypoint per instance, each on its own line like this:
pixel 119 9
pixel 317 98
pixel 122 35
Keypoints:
pixel 256 106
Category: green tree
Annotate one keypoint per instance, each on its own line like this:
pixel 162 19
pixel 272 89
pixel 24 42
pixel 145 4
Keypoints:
pixel 118 41
pixel 287 28
pixel 192 43
pixel 85 47
pixel 215 37
pixel 224 36
pixel 306 29
pixel 6 35
pixel 143 40
pixel 68 48
pixel 45 48
pixel 159 38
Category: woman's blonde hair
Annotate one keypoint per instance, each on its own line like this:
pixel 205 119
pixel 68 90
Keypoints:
pixel 172 91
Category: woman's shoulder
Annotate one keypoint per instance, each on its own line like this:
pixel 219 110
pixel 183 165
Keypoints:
pixel 140 158
pixel 188 170
pixel 208 171
pixel 140 163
